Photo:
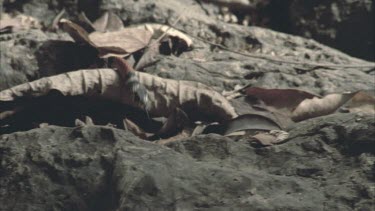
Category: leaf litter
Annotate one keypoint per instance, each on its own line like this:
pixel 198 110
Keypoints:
pixel 271 112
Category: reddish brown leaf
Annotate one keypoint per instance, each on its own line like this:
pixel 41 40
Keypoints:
pixel 283 100
pixel 135 129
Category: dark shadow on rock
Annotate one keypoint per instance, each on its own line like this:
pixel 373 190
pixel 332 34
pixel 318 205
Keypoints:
pixel 56 109
pixel 55 57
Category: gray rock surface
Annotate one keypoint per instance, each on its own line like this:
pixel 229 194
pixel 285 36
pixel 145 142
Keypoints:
pixel 325 165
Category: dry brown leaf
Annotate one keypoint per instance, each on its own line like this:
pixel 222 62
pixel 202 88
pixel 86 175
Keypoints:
pixel 363 101
pixel 18 22
pixel 242 123
pixel 175 123
pixel 164 94
pixel 135 129
pixel 108 22
pixel 158 29
pixel 264 139
pixel 148 57
pixel 183 134
pixel 124 41
pixel 298 105
pixel 116 43
pixel 315 107
pixel 78 34
pixel 282 100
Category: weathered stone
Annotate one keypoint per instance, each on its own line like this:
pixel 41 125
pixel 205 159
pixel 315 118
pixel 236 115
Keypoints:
pixel 101 168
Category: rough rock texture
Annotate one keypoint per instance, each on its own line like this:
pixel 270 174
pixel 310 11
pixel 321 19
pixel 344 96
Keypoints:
pixel 325 165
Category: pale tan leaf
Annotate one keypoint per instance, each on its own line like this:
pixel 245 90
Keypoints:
pixel 199 128
pixel 271 138
pixel 127 40
pixel 108 22
pixel 158 29
pixel 135 129
pixel 89 121
pixel 264 139
pixel 315 107
pixel 55 23
pixel 164 94
pixel 183 134
pixel 79 123
pixel 363 101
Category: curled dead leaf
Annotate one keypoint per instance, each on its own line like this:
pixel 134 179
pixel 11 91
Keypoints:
pixel 298 105
pixel 315 107
pixel 164 94
pixel 241 123
pixel 282 100
pixel 135 129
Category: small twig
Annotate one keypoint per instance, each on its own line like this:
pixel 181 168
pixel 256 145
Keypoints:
pixel 55 22
pixel 283 60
